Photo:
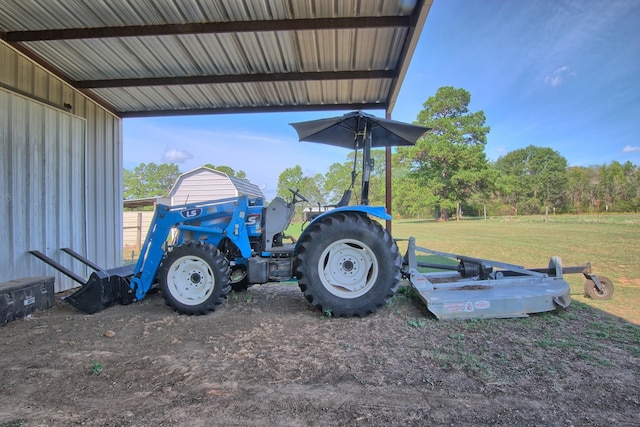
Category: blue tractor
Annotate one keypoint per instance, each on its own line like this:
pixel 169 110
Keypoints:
pixel 345 262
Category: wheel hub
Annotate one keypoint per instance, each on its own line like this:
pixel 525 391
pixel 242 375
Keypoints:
pixel 347 265
pixel 348 268
pixel 191 280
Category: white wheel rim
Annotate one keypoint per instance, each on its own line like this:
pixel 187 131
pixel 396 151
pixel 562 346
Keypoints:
pixel 190 280
pixel 348 268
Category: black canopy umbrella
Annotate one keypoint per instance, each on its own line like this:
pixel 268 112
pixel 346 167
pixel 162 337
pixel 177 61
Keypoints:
pixel 344 131
pixel 357 130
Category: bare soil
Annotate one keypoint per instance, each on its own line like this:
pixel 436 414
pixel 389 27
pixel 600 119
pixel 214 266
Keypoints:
pixel 267 358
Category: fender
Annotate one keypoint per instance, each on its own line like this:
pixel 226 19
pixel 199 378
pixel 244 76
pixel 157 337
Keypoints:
pixel 377 211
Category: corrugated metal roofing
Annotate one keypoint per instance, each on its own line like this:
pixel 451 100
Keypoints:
pixel 146 57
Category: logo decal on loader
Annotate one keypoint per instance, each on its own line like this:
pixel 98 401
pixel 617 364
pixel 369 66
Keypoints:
pixel 191 213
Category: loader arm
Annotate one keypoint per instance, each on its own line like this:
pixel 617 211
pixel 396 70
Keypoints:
pixel 188 218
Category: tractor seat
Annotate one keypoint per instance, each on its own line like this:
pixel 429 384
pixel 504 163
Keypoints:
pixel 276 217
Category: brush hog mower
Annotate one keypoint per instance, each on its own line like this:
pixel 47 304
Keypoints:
pixel 480 288
pixel 344 261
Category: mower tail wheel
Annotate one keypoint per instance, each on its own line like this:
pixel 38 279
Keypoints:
pixel 591 290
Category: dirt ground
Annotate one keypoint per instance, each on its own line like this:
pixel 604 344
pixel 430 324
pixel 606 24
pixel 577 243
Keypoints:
pixel 267 358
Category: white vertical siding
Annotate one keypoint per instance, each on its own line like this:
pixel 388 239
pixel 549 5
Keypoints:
pixel 41 158
pixel 60 174
pixel 104 187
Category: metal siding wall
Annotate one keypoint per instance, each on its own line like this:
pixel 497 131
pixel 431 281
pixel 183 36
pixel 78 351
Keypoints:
pixel 40 181
pixel 61 174
pixel 103 175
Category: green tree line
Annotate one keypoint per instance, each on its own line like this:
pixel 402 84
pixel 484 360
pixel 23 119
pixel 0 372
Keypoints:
pixel 447 173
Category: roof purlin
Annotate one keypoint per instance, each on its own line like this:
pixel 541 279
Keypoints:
pixel 210 28
pixel 236 78
pixel 252 109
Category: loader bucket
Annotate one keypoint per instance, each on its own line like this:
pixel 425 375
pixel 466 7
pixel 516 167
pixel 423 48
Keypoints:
pixel 103 289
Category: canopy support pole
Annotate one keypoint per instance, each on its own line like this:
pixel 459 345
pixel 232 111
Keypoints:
pixel 366 166
pixel 387 176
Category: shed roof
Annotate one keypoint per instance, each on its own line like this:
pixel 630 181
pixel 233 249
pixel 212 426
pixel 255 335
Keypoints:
pixel 150 58
pixel 146 202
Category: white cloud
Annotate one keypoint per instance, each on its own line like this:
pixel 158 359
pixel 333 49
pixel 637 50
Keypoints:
pixel 176 156
pixel 631 149
pixel 558 76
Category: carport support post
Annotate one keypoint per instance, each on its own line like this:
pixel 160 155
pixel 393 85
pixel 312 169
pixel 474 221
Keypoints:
pixel 387 176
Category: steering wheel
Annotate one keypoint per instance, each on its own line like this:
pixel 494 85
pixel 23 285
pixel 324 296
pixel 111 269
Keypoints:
pixel 297 194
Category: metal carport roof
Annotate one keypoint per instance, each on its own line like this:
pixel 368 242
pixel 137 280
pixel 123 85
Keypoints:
pixel 168 57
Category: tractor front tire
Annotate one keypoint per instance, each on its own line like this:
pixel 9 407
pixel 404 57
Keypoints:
pixel 194 278
pixel 347 265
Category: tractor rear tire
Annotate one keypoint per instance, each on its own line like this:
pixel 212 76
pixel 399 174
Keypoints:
pixel 347 265
pixel 592 291
pixel 194 278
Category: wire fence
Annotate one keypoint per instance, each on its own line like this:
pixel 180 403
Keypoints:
pixel 599 218
pixel 136 224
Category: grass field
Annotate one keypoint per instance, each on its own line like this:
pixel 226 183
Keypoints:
pixel 612 245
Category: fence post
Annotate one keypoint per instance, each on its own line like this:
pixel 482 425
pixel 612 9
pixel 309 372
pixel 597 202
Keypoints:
pixel 485 212
pixel 139 231
pixel 546 214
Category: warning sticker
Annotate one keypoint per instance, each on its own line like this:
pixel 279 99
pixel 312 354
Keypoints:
pixel 481 305
pixel 457 307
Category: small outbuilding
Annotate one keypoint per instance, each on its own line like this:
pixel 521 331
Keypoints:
pixel 203 184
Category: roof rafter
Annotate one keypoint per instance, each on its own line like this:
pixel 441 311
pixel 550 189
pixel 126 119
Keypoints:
pixel 237 78
pixel 211 28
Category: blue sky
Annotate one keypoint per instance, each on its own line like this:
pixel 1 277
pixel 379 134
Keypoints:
pixel 563 74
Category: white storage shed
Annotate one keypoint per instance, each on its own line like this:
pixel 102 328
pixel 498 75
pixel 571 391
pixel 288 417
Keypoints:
pixel 203 184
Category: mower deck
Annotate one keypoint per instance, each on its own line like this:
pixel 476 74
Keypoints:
pixel 486 289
